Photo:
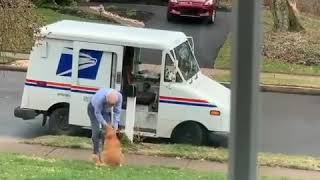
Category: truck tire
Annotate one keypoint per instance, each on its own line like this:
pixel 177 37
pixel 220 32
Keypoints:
pixel 217 140
pixel 189 133
pixel 59 122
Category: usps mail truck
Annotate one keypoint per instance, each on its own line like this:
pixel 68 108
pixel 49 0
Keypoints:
pixel 72 60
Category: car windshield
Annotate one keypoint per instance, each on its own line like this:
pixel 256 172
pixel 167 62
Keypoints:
pixel 186 60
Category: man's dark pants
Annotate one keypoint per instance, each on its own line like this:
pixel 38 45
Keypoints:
pixel 97 135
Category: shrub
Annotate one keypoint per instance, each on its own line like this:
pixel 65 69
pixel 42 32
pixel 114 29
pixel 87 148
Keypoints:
pixel 18 24
pixel 41 3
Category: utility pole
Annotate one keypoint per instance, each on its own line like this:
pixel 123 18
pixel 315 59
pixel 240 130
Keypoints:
pixel 245 89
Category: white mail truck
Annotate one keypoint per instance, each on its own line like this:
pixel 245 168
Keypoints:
pixel 71 60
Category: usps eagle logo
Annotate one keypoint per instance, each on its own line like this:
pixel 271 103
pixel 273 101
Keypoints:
pixel 88 64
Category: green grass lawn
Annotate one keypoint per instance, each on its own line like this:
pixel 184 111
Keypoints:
pixel 292 48
pixel 223 61
pixel 184 151
pixel 16 167
pixel 50 16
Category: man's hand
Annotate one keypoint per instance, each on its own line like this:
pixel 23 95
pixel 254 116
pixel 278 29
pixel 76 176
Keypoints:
pixel 104 125
pixel 115 126
pixel 103 129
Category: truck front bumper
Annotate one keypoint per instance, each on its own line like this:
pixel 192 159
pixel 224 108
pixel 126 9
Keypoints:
pixel 25 114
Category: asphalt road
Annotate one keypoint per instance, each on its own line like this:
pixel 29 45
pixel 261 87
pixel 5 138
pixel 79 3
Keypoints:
pixel 290 123
pixel 11 87
pixel 208 39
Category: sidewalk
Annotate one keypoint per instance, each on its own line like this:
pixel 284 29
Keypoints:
pixel 13 146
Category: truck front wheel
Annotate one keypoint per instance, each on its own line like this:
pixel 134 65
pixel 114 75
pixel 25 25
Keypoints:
pixel 59 122
pixel 189 133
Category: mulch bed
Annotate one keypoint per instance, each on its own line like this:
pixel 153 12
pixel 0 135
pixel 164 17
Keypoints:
pixel 147 2
pixel 130 13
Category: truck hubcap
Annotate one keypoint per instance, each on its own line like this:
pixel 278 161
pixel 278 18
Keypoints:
pixel 62 122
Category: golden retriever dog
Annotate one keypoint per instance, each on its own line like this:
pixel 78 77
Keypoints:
pixel 112 153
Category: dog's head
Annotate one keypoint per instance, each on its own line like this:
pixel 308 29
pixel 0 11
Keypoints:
pixel 110 132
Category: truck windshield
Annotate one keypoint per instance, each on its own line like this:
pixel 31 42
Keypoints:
pixel 187 62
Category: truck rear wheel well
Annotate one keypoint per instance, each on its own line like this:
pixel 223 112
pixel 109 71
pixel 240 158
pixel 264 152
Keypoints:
pixel 56 106
pixel 190 121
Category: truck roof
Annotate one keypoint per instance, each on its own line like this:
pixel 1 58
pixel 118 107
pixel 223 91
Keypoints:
pixel 113 34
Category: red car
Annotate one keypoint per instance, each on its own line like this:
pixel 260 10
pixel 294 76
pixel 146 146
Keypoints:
pixel 193 8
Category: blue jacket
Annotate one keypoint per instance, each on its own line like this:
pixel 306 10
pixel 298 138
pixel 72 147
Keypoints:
pixel 101 110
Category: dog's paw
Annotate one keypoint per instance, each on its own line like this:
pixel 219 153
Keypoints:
pixel 103 164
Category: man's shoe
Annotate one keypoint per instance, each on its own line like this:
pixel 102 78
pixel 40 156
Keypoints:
pixel 96 159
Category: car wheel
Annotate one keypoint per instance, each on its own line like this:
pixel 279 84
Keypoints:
pixel 212 19
pixel 59 122
pixel 189 133
pixel 169 17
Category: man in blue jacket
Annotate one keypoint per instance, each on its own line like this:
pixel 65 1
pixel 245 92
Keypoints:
pixel 99 111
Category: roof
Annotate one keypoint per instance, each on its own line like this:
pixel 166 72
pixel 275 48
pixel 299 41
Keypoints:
pixel 113 34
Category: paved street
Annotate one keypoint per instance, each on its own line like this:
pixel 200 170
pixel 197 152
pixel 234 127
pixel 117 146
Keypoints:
pixel 11 86
pixel 290 122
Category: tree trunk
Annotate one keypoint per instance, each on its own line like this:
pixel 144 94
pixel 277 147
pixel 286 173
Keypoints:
pixel 293 21
pixel 273 9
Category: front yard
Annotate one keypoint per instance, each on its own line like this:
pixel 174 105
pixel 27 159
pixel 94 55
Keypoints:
pixel 50 16
pixel 285 52
pixel 25 167
pixel 183 151
pixel 13 166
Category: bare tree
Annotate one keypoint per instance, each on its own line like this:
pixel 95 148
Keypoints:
pixel 293 21
pixel 273 7
pixel 18 25
pixel 284 14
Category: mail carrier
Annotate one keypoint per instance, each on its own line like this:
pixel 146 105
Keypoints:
pixel 73 59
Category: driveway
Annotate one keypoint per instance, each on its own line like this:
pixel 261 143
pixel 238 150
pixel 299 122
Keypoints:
pixel 208 39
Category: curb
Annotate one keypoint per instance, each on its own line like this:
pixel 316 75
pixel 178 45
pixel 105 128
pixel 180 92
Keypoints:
pixel 15 55
pixel 284 89
pixel 292 90
pixel 12 68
